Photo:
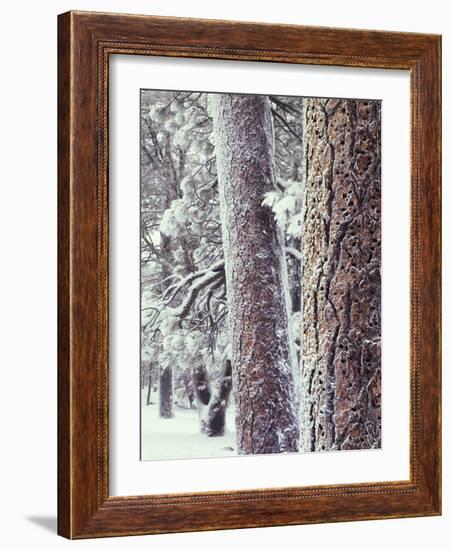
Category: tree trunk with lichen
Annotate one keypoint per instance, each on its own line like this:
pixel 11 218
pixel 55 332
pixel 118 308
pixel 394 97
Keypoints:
pixel 341 251
pixel 263 358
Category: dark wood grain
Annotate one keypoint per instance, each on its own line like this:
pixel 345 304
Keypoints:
pixel 85 42
pixel 64 132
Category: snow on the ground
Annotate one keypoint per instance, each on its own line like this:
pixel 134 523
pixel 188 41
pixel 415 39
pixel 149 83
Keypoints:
pixel 179 437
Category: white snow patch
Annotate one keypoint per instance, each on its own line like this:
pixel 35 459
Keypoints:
pixel 179 437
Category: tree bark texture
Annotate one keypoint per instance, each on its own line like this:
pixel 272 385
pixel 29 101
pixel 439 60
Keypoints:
pixel 341 340
pixel 263 358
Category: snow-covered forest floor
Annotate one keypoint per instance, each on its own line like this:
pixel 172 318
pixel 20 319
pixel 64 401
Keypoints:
pixel 179 437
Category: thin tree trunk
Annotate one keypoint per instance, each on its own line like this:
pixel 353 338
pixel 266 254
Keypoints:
pixel 150 385
pixel 166 406
pixel 263 358
pixel 166 396
pixel 341 342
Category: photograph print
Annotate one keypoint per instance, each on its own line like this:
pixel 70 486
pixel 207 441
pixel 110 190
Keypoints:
pixel 260 251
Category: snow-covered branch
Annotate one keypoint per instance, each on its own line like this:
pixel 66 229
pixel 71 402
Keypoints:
pixel 195 288
pixel 173 290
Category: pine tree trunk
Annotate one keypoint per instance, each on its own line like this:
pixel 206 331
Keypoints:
pixel 263 358
pixel 166 392
pixel 166 396
pixel 341 342
pixel 215 418
pixel 150 386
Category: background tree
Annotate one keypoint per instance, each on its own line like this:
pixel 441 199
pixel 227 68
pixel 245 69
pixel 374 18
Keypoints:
pixel 183 280
pixel 148 377
pixel 262 352
pixel 212 402
pixel 160 164
pixel 341 405
pixel 183 289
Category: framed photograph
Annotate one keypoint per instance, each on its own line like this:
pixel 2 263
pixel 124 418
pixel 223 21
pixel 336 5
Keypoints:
pixel 249 275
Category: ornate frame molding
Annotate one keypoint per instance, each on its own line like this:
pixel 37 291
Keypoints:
pixel 86 40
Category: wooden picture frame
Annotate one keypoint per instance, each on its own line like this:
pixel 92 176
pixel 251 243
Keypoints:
pixel 85 42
